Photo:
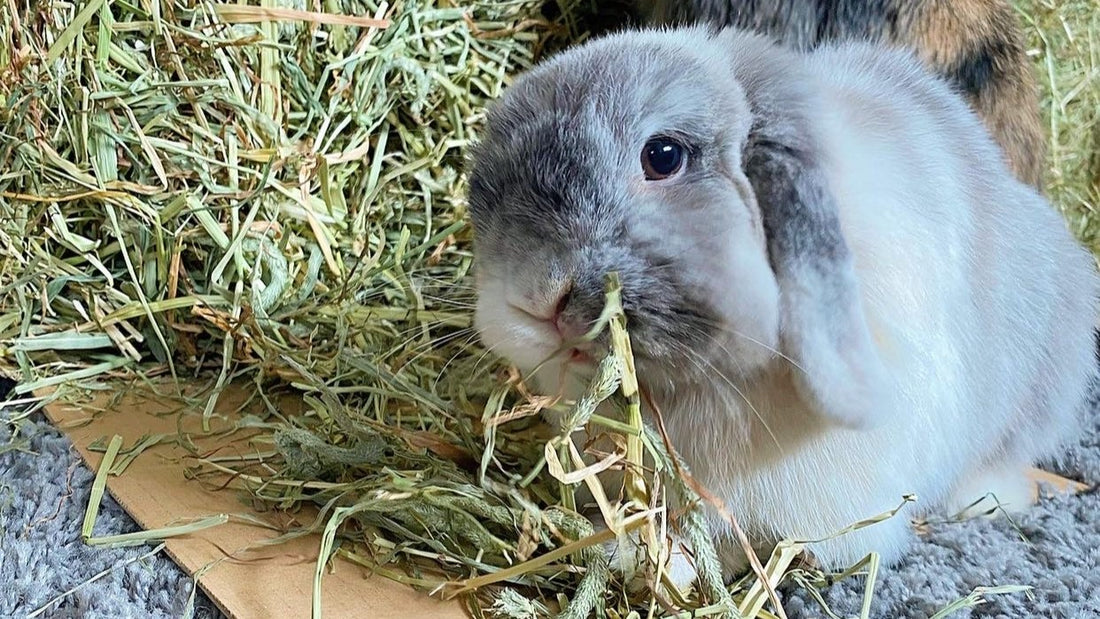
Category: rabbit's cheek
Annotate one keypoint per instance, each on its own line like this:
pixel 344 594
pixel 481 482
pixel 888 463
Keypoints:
pixel 510 332
pixel 744 293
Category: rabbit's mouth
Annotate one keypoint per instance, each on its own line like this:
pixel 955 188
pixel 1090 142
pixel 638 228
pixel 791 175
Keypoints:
pixel 577 356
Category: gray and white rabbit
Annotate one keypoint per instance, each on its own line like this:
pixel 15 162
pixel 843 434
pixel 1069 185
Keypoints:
pixel 837 291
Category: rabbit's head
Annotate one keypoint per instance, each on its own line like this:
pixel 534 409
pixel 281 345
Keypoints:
pixel 636 153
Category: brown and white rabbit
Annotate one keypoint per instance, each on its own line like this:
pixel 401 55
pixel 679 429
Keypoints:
pixel 977 45
pixel 837 291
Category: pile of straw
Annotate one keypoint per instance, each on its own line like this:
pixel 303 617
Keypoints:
pixel 273 195
pixel 1064 40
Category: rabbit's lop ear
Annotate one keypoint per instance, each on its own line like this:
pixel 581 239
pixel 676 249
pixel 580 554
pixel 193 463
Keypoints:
pixel 823 329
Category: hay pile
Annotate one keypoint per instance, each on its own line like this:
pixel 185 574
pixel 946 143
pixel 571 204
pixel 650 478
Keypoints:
pixel 1064 39
pixel 273 194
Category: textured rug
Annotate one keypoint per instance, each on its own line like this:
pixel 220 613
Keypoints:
pixel 44 567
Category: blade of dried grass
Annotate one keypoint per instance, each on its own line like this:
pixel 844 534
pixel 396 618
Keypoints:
pixel 67 340
pixel 243 14
pixel 127 456
pixel 866 522
pixel 73 377
pixel 148 536
pixel 464 586
pixel 61 596
pixel 781 558
pixel 869 587
pixel 977 598
pixel 99 485
pixel 73 30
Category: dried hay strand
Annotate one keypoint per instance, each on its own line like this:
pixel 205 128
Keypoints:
pixel 273 195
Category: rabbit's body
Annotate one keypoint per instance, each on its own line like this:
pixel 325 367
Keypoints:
pixel 932 240
pixel 976 45
pixel 848 299
pixel 941 246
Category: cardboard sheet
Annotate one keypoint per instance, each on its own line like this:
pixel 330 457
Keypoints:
pixel 276 582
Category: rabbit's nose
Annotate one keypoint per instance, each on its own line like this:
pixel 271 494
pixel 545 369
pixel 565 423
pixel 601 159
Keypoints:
pixel 571 327
pixel 565 320
pixel 560 319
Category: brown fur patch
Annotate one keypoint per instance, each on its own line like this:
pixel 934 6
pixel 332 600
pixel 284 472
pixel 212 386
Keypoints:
pixel 978 45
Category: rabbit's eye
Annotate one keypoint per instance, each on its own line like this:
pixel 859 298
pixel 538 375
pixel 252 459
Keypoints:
pixel 662 158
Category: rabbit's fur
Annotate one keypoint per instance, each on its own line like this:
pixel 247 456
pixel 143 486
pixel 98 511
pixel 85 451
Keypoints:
pixel 977 45
pixel 846 298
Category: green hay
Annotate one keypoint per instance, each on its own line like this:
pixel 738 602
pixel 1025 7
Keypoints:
pixel 190 191
pixel 1064 40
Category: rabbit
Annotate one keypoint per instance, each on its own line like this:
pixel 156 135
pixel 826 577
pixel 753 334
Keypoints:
pixel 977 45
pixel 838 293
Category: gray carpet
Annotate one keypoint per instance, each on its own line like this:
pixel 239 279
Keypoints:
pixel 44 490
